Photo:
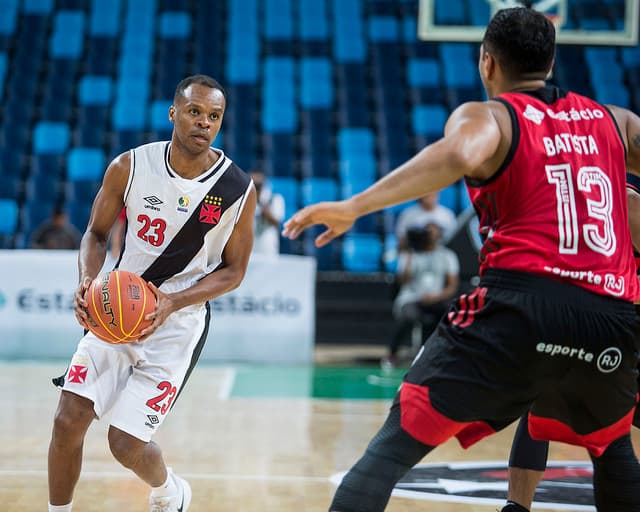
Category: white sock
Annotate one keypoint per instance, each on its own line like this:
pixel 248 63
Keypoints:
pixel 166 489
pixel 60 508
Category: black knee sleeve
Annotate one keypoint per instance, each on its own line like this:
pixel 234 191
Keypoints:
pixel 390 454
pixel 616 478
pixel 527 453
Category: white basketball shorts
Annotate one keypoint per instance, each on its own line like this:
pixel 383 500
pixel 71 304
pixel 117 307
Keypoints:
pixel 138 382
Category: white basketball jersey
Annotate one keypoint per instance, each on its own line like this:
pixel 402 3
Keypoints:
pixel 177 228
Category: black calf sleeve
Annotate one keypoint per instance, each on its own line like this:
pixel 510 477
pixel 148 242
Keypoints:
pixel 527 453
pixel 390 454
pixel 616 478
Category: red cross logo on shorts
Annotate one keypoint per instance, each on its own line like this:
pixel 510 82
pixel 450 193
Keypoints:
pixel 77 374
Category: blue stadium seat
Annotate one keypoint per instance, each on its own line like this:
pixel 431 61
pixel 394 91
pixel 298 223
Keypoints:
pixel 44 186
pixel 10 187
pixel 312 21
pixel 429 121
pixel 3 69
pixel 9 9
pixel 314 190
pixel 81 190
pixel 316 84
pixel 79 214
pixel 8 216
pixel 104 18
pixel 616 94
pixel 450 12
pixel 37 7
pixel 450 197
pixel 361 252
pixel 423 72
pixel 355 141
pixel 278 20
pixel 383 29
pixel 328 257
pixel 279 153
pixel 67 39
pixel 33 213
pixel 51 137
pixel 357 168
pixel 160 119
pixel 85 164
pixel 95 90
pixel 288 188
pixel 129 114
pixel 174 25
pixel 348 39
pixel 316 139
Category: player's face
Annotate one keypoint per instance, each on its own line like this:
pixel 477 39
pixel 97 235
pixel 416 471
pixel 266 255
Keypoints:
pixel 197 117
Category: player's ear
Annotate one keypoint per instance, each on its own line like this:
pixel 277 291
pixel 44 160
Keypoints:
pixel 172 114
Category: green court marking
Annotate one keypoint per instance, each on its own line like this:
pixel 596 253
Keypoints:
pixel 316 382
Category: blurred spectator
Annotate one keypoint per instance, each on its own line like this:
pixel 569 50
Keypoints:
pixel 426 210
pixel 56 233
pixel 269 215
pixel 428 276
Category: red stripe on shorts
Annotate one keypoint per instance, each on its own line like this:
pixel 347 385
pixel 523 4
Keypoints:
pixel 596 442
pixel 419 418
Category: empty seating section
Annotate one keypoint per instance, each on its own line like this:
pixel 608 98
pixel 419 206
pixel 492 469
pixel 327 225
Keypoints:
pixel 325 96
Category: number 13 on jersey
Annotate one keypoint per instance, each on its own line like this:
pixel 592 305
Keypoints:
pixel 599 235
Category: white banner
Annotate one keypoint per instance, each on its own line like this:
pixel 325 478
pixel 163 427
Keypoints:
pixel 269 318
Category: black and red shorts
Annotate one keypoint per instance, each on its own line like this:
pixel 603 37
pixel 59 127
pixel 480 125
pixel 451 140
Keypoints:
pixel 522 343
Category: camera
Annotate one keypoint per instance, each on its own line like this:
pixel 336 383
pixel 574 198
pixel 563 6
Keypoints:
pixel 418 238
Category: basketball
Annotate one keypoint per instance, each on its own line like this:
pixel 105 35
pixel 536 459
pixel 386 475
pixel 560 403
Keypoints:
pixel 117 303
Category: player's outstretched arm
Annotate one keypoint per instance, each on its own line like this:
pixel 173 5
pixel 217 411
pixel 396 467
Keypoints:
pixel 629 125
pixel 104 212
pixel 472 137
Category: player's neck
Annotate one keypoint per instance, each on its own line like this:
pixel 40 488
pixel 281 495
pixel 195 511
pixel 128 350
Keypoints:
pixel 522 85
pixel 189 166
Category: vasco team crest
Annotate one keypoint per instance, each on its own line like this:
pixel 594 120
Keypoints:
pixel 566 485
pixel 211 210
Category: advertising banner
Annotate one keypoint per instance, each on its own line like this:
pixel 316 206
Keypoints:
pixel 269 318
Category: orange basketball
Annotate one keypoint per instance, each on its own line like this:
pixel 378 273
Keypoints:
pixel 117 303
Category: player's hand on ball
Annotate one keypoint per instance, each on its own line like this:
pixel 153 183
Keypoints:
pixel 80 303
pixel 164 307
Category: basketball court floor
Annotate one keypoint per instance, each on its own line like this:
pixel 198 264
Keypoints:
pixel 261 438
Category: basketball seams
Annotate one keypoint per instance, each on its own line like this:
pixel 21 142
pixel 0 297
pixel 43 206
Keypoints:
pixel 99 318
pixel 144 306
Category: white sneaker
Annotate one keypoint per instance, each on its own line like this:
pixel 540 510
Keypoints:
pixel 178 503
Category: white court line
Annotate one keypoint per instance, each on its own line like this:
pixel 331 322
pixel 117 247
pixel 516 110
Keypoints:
pixel 96 475
pixel 226 387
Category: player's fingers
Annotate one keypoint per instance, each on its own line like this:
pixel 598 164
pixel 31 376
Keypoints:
pixel 154 289
pixel 325 237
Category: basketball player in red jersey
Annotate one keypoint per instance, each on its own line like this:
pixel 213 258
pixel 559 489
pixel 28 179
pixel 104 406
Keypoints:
pixel 551 328
pixel 528 458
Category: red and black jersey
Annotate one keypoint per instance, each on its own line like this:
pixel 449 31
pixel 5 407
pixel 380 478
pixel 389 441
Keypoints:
pixel 557 206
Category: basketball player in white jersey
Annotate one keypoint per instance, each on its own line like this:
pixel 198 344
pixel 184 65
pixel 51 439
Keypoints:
pixel 189 234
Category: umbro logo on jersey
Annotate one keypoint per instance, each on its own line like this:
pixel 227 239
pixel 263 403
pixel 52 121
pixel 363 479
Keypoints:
pixel 153 202
pixel 533 114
